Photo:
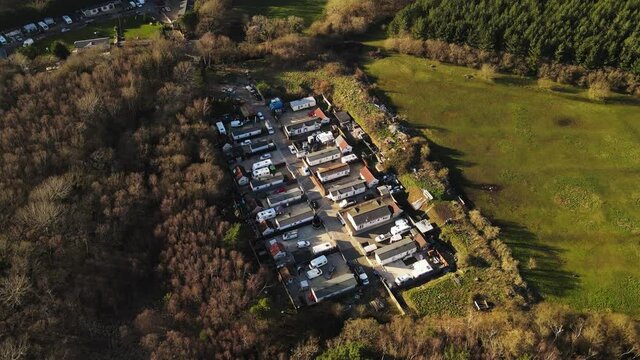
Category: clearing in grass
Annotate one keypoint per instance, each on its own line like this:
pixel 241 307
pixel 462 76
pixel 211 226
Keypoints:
pixel 557 172
pixel 309 10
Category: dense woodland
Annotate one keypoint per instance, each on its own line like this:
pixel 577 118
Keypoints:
pixel 589 33
pixel 117 238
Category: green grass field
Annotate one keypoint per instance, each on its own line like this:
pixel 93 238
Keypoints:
pixel 567 172
pixel 137 27
pixel 309 10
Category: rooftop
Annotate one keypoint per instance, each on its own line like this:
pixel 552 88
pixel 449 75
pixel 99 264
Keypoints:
pixel 367 175
pixel 245 130
pixel 294 214
pixel 395 248
pixel 81 44
pixel 277 177
pixel 373 209
pixel 332 169
pixel 342 116
pixel 288 194
pixel 341 142
pixel 330 151
pixel 346 186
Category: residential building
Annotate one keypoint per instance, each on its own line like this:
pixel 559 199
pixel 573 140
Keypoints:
pixel 345 190
pixel 239 134
pixel 261 145
pixel 302 127
pixel 370 214
pixel 285 198
pixel 368 177
pixel 323 156
pixel 318 113
pixel 332 172
pixel 293 216
pixel 96 10
pixel 343 118
pixel 335 286
pixel 395 251
pixel 343 145
pixel 100 43
pixel 265 183
pixel 303 103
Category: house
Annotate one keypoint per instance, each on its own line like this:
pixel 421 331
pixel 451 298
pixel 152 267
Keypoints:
pixel 96 10
pixel 302 127
pixel 261 145
pixel 239 134
pixel 395 251
pixel 319 114
pixel 343 118
pixel 265 183
pixel 370 214
pixel 303 103
pixel 332 172
pixel 367 176
pixel 285 198
pixel 419 239
pixel 98 43
pixel 323 156
pixel 293 216
pixel 240 175
pixel 345 190
pixel 343 145
pixel 334 286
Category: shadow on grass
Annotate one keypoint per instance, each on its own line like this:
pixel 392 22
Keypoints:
pixel 544 273
pixel 515 81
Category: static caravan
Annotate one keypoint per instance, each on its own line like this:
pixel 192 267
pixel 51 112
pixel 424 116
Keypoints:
pixel 261 164
pixel 303 103
pixel 346 190
pixel 323 156
pixel 333 172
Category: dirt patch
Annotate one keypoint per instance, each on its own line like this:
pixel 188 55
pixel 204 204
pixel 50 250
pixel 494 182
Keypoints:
pixel 491 187
pixel 565 121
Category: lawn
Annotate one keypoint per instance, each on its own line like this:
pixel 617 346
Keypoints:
pixel 566 173
pixel 309 10
pixel 136 27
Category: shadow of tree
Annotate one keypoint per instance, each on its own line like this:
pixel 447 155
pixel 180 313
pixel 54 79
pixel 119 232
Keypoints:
pixel 544 273
pixel 511 80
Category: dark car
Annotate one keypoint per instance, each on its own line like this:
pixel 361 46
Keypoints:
pixel 368 196
pixel 313 204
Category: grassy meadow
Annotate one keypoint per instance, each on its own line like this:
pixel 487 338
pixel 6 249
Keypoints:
pixel 558 173
pixel 309 10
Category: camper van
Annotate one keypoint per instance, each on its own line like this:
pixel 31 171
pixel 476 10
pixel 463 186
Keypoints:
pixel 319 249
pixel 320 261
pixel 221 128
pixel 265 215
pixel 349 158
pixel 262 164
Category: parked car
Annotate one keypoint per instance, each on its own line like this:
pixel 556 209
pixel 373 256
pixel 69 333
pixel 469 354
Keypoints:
pixel 265 156
pixel 313 204
pixel 3 41
pixel 313 273
pixel 303 244
pixel 290 235
pixel 64 30
pixel 236 123
pixel 246 142
pixel 362 275
pixel 260 115
pixel 27 42
pixel 383 237
pixel 292 149
pixel 346 203
pixel 67 19
pixel 43 25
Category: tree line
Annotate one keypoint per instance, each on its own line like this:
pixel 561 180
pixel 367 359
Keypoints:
pixel 594 34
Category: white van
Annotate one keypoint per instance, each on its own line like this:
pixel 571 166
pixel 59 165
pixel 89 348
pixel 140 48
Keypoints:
pixel 262 172
pixel 320 261
pixel 319 249
pixel 265 215
pixel 27 42
pixel 221 128
pixel 270 129
pixel 236 123
pixel 313 273
pixel 261 164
